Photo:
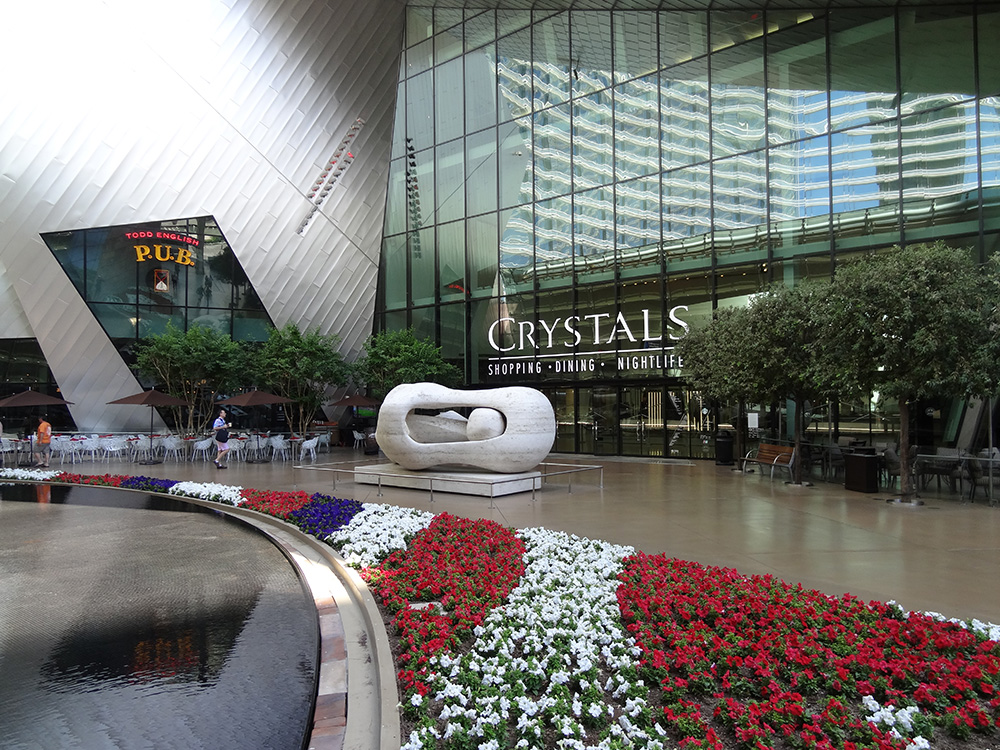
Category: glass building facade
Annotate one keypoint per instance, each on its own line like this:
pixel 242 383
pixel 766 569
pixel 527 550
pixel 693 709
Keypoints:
pixel 570 190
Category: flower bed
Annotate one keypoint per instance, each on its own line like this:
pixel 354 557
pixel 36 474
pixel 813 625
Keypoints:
pixel 540 639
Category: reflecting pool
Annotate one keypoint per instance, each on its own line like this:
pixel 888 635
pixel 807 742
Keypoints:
pixel 129 620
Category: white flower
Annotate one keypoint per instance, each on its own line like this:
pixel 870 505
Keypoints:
pixel 31 475
pixel 376 532
pixel 220 493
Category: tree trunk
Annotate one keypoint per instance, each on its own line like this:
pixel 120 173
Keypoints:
pixel 907 488
pixel 797 463
pixel 741 432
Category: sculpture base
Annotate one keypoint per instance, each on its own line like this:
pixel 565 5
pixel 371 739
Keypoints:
pixel 457 481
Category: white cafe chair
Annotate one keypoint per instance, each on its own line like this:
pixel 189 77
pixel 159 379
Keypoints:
pixel 308 447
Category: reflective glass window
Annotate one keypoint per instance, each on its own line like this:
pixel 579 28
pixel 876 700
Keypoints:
pixel 687 212
pixel 422 276
pixel 738 99
pixel 939 153
pixel 796 81
pixel 514 75
pixel 684 130
pixel 453 320
pixel 594 234
pixel 480 90
pixel 554 241
pixel 550 67
pixel 988 31
pixel 419 58
pixel 865 169
pixel 862 94
pixel 480 29
pixel 989 140
pixel 448 109
pixel 637 225
pixel 593 141
pixel 451 260
pixel 552 152
pixel 799 175
pixel 730 29
pixel 683 36
pixel 590 51
pixel 635 45
pixel 423 321
pixel 419 24
pixel 397 197
pixel 481 172
pixel 450 175
pixel 482 254
pixel 514 163
pixel 395 270
pixel 637 128
pixel 420 110
pixel 936 57
pixel 516 241
pixel 448 45
pixel 739 190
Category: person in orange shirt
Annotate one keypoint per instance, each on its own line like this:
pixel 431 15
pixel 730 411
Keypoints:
pixel 43 443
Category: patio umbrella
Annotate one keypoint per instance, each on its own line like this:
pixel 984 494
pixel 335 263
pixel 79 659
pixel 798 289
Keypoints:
pixel 151 398
pixel 31 398
pixel 255 398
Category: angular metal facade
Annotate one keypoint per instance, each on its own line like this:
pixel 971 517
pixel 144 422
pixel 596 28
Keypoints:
pixel 114 112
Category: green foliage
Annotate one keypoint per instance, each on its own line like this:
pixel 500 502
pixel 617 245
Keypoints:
pixel 391 358
pixel 300 366
pixel 194 365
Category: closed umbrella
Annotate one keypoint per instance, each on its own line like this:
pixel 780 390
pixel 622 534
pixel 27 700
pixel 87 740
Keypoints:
pixel 255 398
pixel 151 398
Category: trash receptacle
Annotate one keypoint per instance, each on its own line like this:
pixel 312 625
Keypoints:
pixel 371 445
pixel 723 449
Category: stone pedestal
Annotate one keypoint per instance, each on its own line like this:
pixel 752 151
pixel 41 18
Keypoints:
pixel 472 482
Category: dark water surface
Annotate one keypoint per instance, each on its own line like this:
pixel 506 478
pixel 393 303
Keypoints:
pixel 134 621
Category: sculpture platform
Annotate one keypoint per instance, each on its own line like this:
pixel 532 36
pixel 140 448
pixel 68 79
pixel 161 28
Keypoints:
pixel 472 482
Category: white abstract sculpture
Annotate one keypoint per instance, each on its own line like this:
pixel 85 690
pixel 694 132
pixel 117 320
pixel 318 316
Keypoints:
pixel 509 430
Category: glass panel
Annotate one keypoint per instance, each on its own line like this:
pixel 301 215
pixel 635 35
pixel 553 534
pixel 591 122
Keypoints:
pixel 684 131
pixel 552 150
pixel 480 90
pixel 935 57
pixel 396 197
pixel 399 122
pixel 394 265
pixel 939 154
pixel 989 135
pixel 480 29
pixel 861 94
pixel 482 247
pixel 865 179
pixel 451 260
pixel 516 241
pixel 585 425
pixel 453 332
pixel 637 226
pixel 118 321
pixel 594 235
pixel 514 155
pixel 550 69
pixel 738 99
pixel 419 110
pixel 484 318
pixel 683 36
pixel 591 52
pixel 69 248
pixel 481 172
pixel 424 322
pixel 593 141
pixel 800 197
pixel 563 402
pixel 419 25
pixel 419 58
pixel 512 20
pixel 153 319
pixel 686 217
pixel 598 333
pixel 450 174
pixel 419 188
pixel 641 421
pixel 251 326
pixel 988 30
pixel 734 286
pixel 733 28
pixel 448 109
pixel 635 45
pixel 22 361
pixel 637 128
pixel 422 276
pixel 514 75
pixel 604 411
pixel 553 241
pixel 739 189
pixel 796 82
pixel 448 46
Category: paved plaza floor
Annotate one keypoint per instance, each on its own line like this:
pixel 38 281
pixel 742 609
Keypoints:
pixel 941 555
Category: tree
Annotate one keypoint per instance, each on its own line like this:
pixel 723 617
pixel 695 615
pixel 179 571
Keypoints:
pixel 301 366
pixel 718 360
pixel 787 322
pixel 194 365
pixel 911 323
pixel 391 358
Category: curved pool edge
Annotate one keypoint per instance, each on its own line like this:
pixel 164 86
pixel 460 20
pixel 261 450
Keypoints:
pixel 355 665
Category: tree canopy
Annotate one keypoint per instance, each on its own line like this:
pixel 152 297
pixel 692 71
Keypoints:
pixel 300 365
pixel 391 358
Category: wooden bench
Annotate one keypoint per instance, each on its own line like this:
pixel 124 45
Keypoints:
pixel 768 454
